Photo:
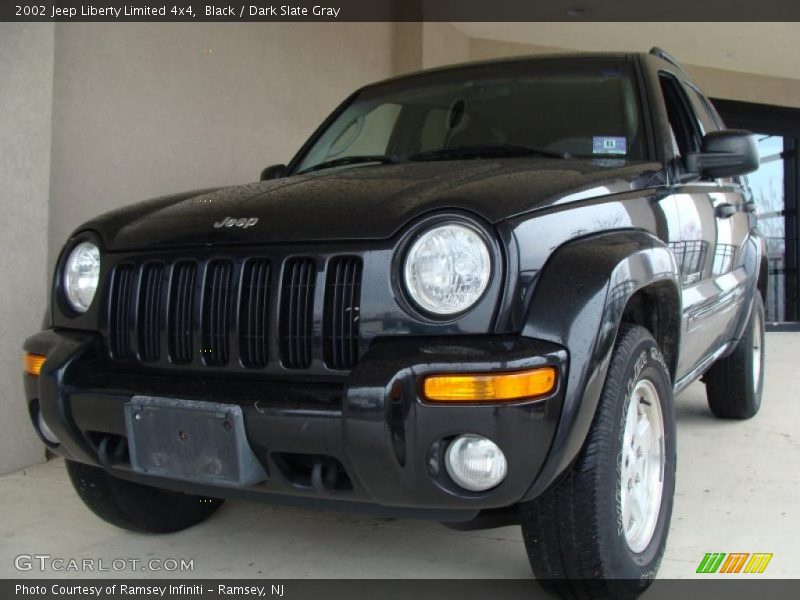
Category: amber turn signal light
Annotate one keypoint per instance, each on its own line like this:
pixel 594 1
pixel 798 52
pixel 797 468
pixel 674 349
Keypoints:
pixel 499 387
pixel 33 363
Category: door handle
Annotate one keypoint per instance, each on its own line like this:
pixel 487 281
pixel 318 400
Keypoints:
pixel 725 211
pixel 750 206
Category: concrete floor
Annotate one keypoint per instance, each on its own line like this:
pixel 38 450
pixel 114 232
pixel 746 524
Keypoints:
pixel 738 490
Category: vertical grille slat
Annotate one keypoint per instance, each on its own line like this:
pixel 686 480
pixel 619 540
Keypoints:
pixel 120 312
pixel 291 315
pixel 342 306
pixel 148 324
pixel 181 308
pixel 216 313
pixel 354 306
pixel 254 314
pixel 296 312
pixel 307 317
pixel 334 318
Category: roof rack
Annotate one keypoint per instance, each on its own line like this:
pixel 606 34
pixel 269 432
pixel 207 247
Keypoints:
pixel 661 53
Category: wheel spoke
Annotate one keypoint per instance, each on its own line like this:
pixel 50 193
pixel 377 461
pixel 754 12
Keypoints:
pixel 630 422
pixel 636 506
pixel 643 430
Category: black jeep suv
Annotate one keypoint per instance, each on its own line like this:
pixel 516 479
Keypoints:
pixel 473 292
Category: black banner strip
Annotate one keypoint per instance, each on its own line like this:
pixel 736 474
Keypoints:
pixel 401 10
pixel 743 588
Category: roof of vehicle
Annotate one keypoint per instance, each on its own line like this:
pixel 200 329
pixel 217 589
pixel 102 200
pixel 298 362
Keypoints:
pixel 655 52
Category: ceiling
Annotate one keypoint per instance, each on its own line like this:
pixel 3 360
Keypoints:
pixel 762 48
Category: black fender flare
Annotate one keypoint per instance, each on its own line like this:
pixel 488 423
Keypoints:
pixel 578 303
pixel 754 261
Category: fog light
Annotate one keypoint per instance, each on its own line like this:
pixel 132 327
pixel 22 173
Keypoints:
pixel 46 432
pixel 475 463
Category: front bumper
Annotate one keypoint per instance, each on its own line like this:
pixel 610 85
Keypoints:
pixel 385 441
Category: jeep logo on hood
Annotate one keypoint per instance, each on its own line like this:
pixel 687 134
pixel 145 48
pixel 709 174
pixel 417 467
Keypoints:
pixel 244 222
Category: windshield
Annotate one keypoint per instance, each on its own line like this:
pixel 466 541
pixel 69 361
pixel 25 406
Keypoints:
pixel 585 108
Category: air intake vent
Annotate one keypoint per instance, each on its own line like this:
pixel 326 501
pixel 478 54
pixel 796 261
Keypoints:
pixel 149 311
pixel 181 311
pixel 254 313
pixel 216 312
pixel 297 306
pixel 120 312
pixel 342 300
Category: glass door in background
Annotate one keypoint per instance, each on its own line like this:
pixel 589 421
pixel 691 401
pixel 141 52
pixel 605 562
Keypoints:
pixel 768 188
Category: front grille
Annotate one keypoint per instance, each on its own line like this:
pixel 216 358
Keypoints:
pixel 149 312
pixel 236 313
pixel 120 306
pixel 297 317
pixel 342 299
pixel 216 313
pixel 181 308
pixel 254 313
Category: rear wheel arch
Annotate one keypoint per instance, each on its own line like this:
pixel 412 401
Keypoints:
pixel 763 277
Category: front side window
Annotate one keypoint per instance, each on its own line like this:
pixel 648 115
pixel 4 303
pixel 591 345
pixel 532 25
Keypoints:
pixel 684 128
pixel 585 108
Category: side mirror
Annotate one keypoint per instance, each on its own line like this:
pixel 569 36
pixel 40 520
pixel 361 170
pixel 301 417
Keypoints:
pixel 725 154
pixel 273 172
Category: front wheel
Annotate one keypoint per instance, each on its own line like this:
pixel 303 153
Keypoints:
pixel 601 531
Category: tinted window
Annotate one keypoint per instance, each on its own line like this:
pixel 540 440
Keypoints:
pixel 685 128
pixel 587 108
pixel 702 107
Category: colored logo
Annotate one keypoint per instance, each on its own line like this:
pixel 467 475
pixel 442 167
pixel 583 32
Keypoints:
pixel 735 562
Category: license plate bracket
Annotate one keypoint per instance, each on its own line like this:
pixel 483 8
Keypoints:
pixel 191 440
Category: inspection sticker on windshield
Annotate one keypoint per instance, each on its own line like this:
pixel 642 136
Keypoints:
pixel 608 145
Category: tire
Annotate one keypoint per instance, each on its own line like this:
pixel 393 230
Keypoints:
pixel 575 533
pixel 138 507
pixel 735 384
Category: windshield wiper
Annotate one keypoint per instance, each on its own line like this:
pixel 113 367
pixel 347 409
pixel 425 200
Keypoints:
pixel 383 159
pixel 487 150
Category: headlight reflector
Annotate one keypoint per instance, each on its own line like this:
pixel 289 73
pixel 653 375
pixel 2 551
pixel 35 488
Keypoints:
pixel 447 269
pixel 81 275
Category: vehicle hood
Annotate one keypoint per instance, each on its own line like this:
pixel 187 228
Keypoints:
pixel 362 203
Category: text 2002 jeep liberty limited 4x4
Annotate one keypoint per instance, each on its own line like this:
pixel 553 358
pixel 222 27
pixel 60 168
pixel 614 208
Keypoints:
pixel 473 292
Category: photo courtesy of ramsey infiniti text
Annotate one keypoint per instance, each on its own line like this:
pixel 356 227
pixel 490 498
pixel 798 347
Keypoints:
pixel 470 297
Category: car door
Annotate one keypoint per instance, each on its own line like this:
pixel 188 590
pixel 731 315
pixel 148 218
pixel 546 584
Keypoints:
pixel 734 213
pixel 709 240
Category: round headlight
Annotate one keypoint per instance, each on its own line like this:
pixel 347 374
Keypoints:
pixel 81 275
pixel 447 269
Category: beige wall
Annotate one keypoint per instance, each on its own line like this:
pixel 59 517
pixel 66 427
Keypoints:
pixel 483 49
pixel 747 87
pixel 146 109
pixel 443 44
pixel 715 82
pixel 407 47
pixel 762 48
pixel 26 96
